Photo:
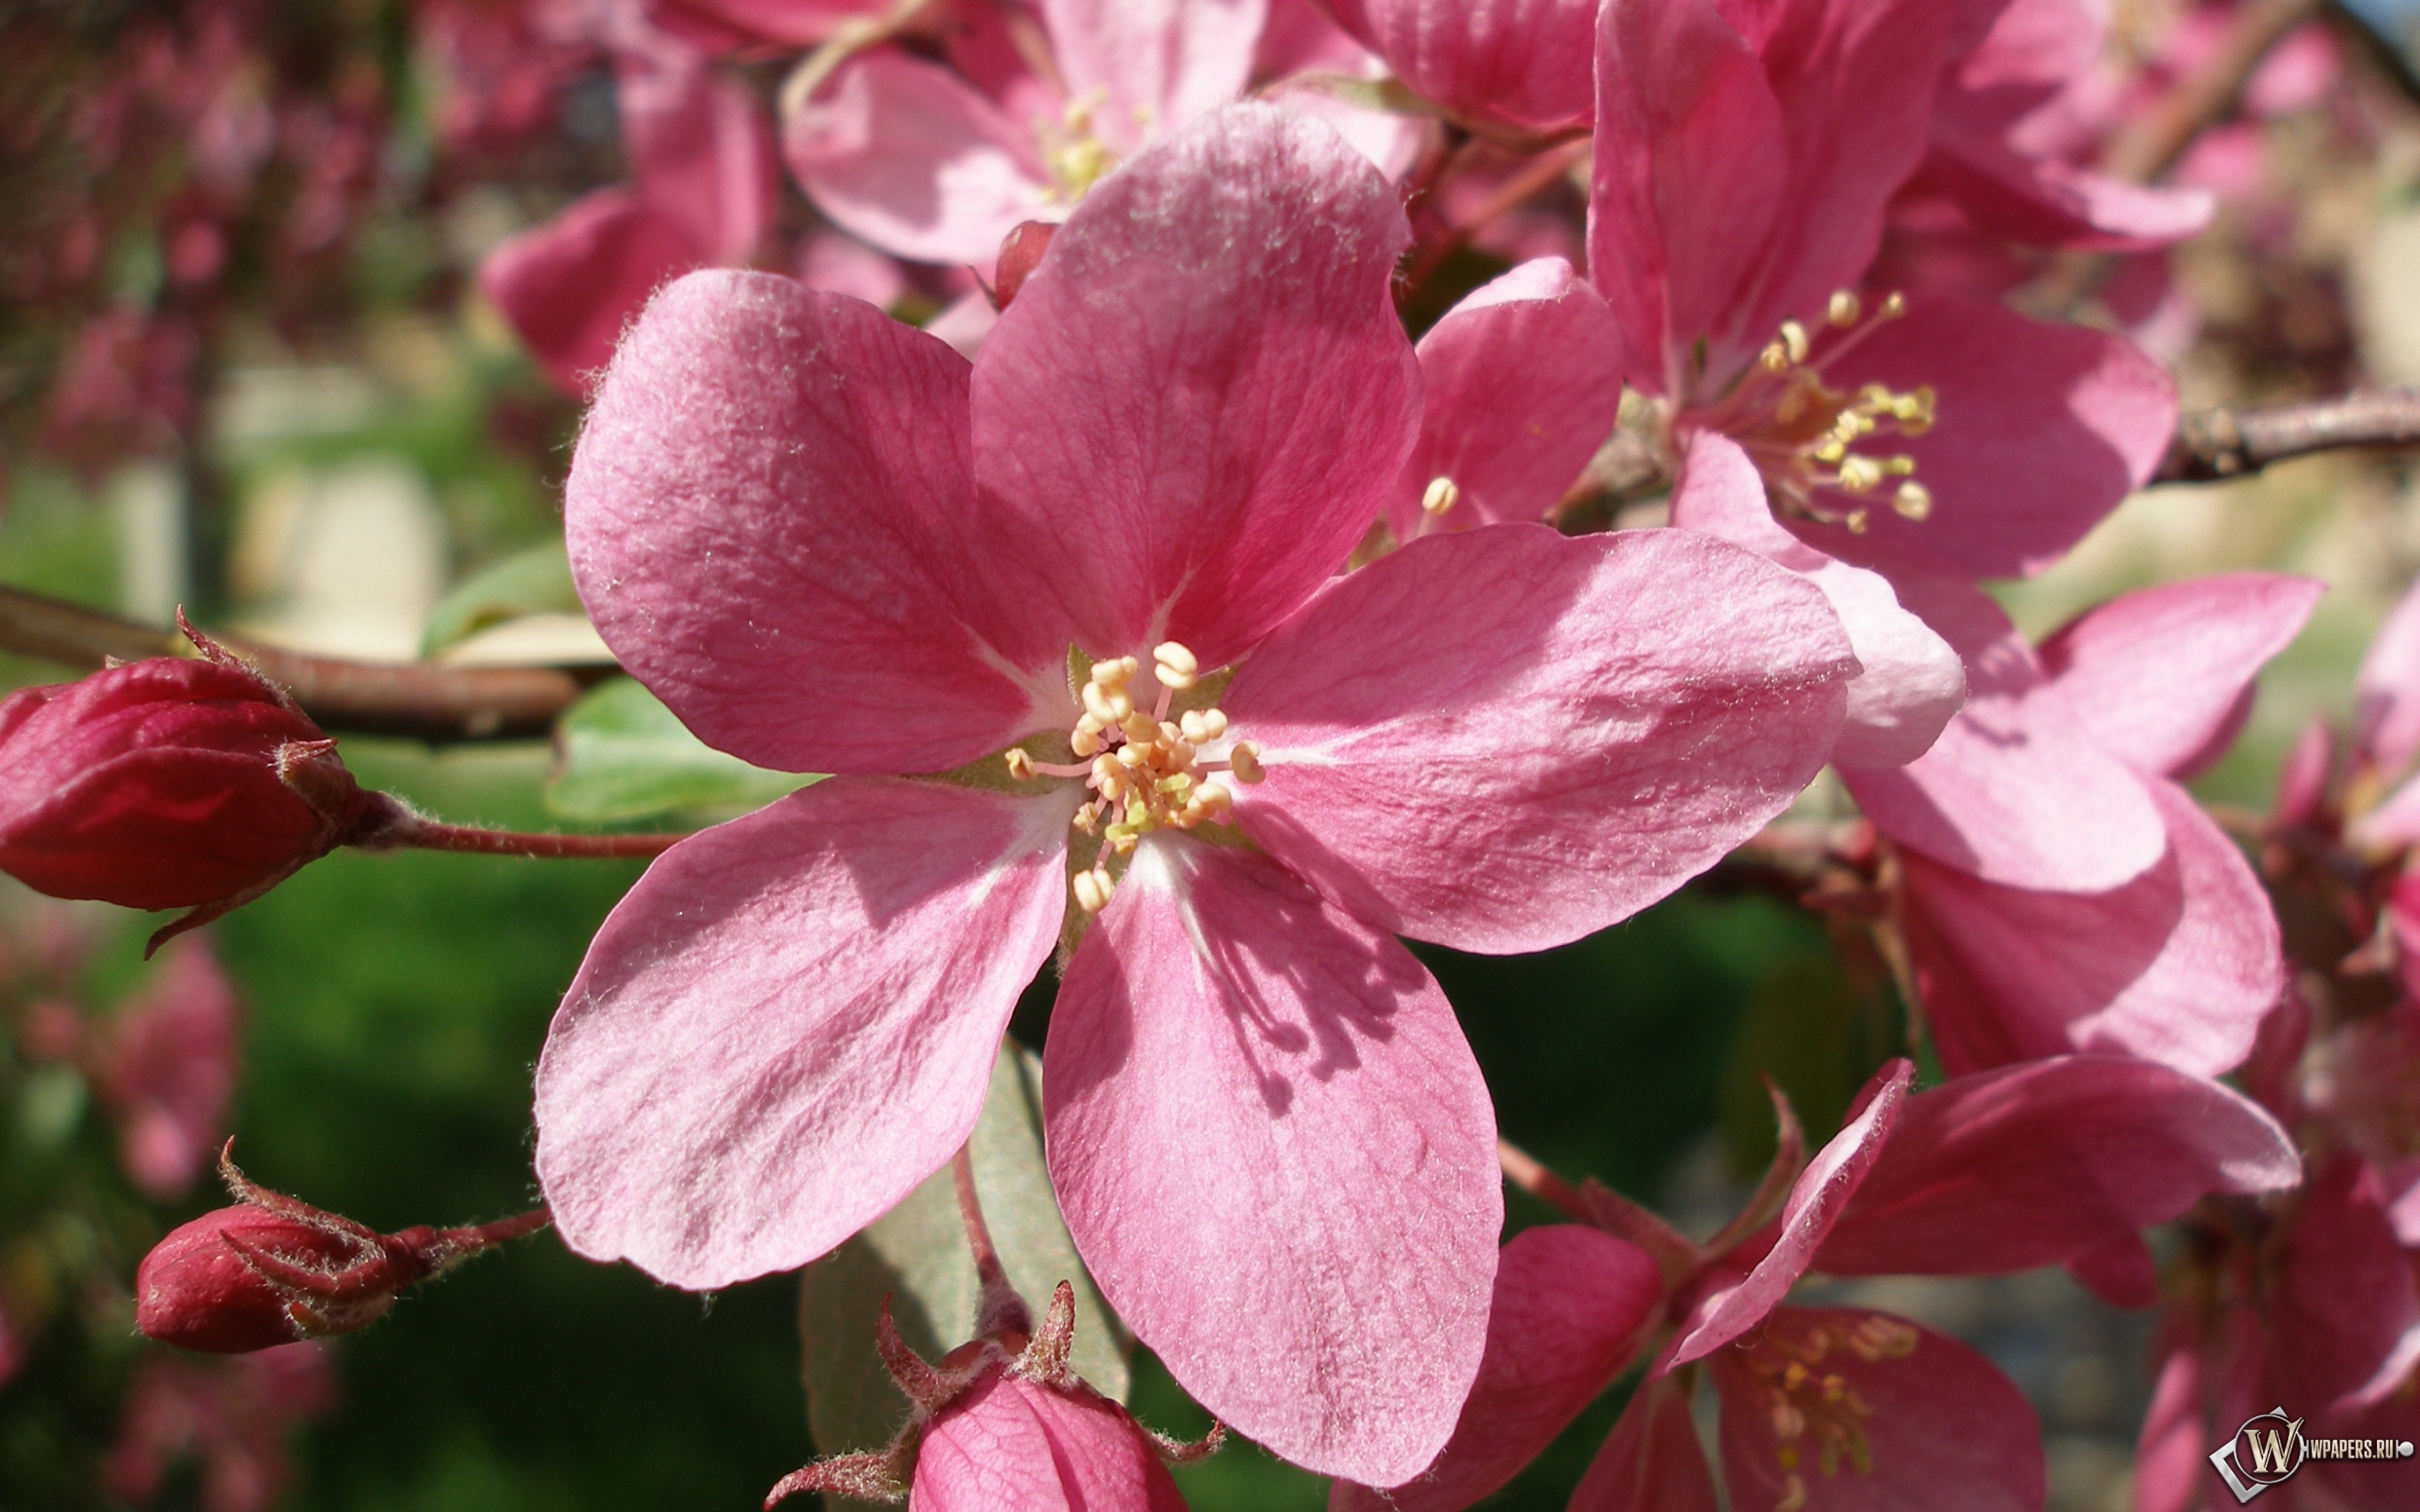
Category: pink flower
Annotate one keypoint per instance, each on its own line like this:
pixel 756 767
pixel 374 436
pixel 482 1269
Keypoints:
pixel 165 1068
pixel 1838 1408
pixel 830 544
pixel 1516 64
pixel 2178 963
pixel 702 194
pixel 938 162
pixel 231 1415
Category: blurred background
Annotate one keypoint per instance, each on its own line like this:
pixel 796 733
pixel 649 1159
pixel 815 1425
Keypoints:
pixel 245 367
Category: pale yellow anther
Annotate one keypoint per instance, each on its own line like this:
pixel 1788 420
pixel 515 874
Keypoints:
pixel 1894 305
pixel 1844 308
pixel 1793 339
pixel 1245 762
pixel 1900 467
pixel 1192 725
pixel 1088 818
pixel 1176 656
pixel 1775 358
pixel 1092 891
pixel 1858 474
pixel 1020 763
pixel 1176 786
pixel 1831 449
pixel 1103 705
pixel 1858 522
pixel 1139 728
pixel 1440 496
pixel 1793 1496
pixel 1086 744
pixel 1131 757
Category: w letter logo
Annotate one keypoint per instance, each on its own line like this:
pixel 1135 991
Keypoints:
pixel 2263 1452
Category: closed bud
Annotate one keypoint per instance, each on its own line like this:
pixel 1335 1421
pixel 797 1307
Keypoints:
pixel 168 783
pixel 1019 251
pixel 273 1270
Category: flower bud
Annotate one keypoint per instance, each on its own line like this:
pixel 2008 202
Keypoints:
pixel 273 1270
pixel 167 783
pixel 1019 251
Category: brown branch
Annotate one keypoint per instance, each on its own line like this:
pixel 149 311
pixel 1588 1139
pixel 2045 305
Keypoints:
pixel 438 704
pixel 2152 142
pixel 2229 443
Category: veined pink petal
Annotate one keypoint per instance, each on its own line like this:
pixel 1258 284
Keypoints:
pixel 2041 428
pixel 1015 1446
pixel 790 1022
pixel 1201 396
pixel 1147 67
pixel 1276 1154
pixel 1519 63
pixel 2344 1317
pixel 2177 965
pixel 1742 173
pixel 2386 690
pixel 2120 1272
pixel 1524 382
pixel 1570 1302
pixel 909 157
pixel 1912 681
pixel 1651 1462
pixel 2043 202
pixel 1942 1427
pixel 701 150
pixel 770 522
pixel 570 287
pixel 1821 1192
pixel 2032 1163
pixel 1505 738
pixel 2015 790
pixel 2162 676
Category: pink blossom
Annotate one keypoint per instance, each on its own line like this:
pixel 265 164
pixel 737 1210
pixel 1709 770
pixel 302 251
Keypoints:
pixel 167 1067
pixel 1515 64
pixel 1840 1407
pixel 2178 963
pixel 831 544
pixel 702 194
pixel 939 160
pixel 231 1415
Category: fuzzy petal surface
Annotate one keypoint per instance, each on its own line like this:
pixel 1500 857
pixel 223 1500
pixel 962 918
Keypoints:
pixel 1151 65
pixel 790 1022
pixel 1195 406
pixel 1817 1201
pixel 1016 1445
pixel 2015 790
pixel 2177 965
pixel 1570 1302
pixel 1944 1429
pixel 1744 158
pixel 769 519
pixel 568 287
pixel 1523 380
pixel 908 156
pixel 1504 739
pixel 1519 63
pixel 2162 676
pixel 1651 1462
pixel 2041 429
pixel 1911 683
pixel 1274 1152
pixel 2034 1164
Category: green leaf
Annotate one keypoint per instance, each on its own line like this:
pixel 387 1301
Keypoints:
pixel 536 581
pixel 621 756
pixel 916 1254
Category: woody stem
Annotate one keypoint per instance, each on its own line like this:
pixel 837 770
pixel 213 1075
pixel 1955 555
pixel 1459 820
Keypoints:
pixel 1530 1175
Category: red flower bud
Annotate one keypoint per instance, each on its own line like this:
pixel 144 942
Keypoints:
pixel 1019 251
pixel 273 1270
pixel 168 783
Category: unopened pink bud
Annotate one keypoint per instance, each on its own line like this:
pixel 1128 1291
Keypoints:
pixel 1019 251
pixel 273 1270
pixel 167 783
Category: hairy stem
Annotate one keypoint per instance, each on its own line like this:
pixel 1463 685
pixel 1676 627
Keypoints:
pixel 1530 1175
pixel 427 835
pixel 2227 443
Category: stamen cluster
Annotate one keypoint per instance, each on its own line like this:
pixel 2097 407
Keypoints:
pixel 1802 1399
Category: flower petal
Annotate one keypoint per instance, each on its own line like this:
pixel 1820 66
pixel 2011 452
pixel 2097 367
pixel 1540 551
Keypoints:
pixel 1504 739
pixel 1912 682
pixel 1194 409
pixel 2386 690
pixel 1523 380
pixel 2033 1164
pixel 2162 676
pixel 701 149
pixel 2041 429
pixel 1276 1154
pixel 2344 1317
pixel 909 157
pixel 1817 1201
pixel 1569 1303
pixel 1943 1427
pixel 1519 63
pixel 790 1022
pixel 1652 1461
pixel 2015 790
pixel 769 521
pixel 570 287
pixel 2177 965
pixel 1147 67
pixel 1011 1445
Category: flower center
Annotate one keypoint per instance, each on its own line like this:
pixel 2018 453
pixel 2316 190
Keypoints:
pixel 1805 1402
pixel 1145 770
pixel 1075 157
pixel 1811 441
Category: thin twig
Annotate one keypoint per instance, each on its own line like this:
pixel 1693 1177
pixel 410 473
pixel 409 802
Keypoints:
pixel 2227 443
pixel 438 704
pixel 2153 140
pixel 426 835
